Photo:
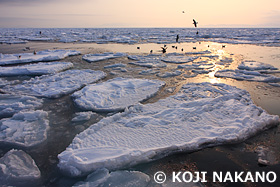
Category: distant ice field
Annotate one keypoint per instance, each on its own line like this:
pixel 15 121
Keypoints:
pixel 264 36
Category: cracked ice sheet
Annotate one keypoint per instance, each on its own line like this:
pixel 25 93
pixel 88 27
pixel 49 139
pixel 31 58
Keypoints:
pixel 11 104
pixel 54 86
pixel 199 115
pixel 116 94
pixel 18 168
pixel 25 128
pixel 247 75
pixel 102 56
pixel 36 69
pixel 41 56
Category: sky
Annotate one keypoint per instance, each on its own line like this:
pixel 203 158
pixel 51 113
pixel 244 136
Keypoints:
pixel 138 13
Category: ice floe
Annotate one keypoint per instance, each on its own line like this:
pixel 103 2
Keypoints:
pixel 266 156
pixel 201 71
pixel 11 104
pixel 116 94
pixel 178 59
pixel 255 66
pixel 25 129
pixel 224 61
pixel 148 72
pixel 4 82
pixel 103 177
pixel 198 52
pixel 30 38
pixel 169 74
pixel 40 56
pixel 83 116
pixel 247 75
pixel 119 65
pixel 41 68
pixel 54 86
pixel 13 42
pixel 18 168
pixel 197 68
pixel 198 116
pixel 149 61
pixel 102 56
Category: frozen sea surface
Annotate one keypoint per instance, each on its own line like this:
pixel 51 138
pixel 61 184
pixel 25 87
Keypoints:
pixel 25 129
pixel 247 75
pixel 102 56
pixel 18 168
pixel 264 36
pixel 257 66
pixel 176 59
pixel 149 61
pixel 198 116
pixel 11 104
pixel 40 56
pixel 41 68
pixel 54 86
pixel 116 94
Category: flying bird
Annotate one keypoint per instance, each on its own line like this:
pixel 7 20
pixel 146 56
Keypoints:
pixel 195 23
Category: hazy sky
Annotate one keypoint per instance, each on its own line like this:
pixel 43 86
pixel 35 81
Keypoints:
pixel 139 13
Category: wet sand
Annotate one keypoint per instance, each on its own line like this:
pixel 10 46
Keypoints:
pixel 236 157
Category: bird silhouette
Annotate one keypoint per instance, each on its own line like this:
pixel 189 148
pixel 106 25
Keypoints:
pixel 195 23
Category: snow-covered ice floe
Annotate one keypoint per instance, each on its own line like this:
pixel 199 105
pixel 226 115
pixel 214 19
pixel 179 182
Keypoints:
pixel 247 75
pixel 11 104
pixel 196 66
pixel 25 129
pixel 198 52
pixel 116 94
pixel 198 116
pixel 18 168
pixel 149 61
pixel 36 69
pixel 103 177
pixel 178 59
pixel 225 61
pixel 102 56
pixel 40 56
pixel 255 66
pixel 4 82
pixel 54 86
pixel 119 65
pixel 169 74
pixel 83 116
pixel 148 72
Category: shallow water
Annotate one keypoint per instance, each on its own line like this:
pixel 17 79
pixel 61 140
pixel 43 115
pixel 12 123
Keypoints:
pixel 62 110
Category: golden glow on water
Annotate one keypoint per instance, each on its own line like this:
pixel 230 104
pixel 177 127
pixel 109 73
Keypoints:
pixel 221 53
